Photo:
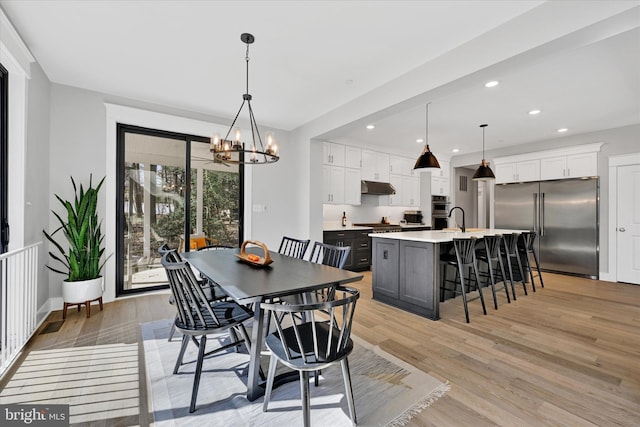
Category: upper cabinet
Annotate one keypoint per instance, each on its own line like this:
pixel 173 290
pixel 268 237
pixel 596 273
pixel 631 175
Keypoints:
pixel 333 154
pixel 570 162
pixel 439 186
pixel 522 171
pixel 443 172
pixel 353 157
pixel 375 166
pixel 572 166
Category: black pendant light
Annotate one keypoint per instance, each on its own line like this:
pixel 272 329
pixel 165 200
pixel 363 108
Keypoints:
pixel 484 172
pixel 235 151
pixel 427 159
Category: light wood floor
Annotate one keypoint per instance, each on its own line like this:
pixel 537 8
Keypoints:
pixel 568 354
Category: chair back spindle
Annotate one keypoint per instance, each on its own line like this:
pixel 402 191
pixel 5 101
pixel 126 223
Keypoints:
pixel 334 256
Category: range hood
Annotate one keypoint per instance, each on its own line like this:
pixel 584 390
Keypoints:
pixel 376 188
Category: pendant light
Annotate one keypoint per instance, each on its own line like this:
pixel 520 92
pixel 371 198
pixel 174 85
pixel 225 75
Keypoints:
pixel 484 172
pixel 236 152
pixel 427 159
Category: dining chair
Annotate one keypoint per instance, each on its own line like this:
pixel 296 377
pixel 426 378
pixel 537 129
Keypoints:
pixel 334 256
pixel 489 252
pixel 295 248
pixel 526 250
pixel 311 337
pixel 465 256
pixel 512 255
pixel 199 317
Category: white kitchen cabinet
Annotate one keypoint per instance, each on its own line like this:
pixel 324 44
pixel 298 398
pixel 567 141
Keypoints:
pixel 352 186
pixel 333 184
pixel 333 154
pixel 353 157
pixel 396 181
pixel 439 186
pixel 410 191
pixel 375 166
pixel 522 171
pixel 407 167
pixel 443 172
pixel 570 166
pixel 396 166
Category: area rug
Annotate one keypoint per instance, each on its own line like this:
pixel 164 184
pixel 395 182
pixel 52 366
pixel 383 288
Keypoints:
pixel 98 382
pixel 387 391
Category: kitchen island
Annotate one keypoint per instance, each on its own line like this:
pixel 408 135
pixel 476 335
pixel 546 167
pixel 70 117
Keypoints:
pixel 406 267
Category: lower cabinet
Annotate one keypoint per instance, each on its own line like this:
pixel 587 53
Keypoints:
pixel 360 243
pixel 404 276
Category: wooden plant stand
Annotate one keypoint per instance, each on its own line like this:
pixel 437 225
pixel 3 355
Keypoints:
pixel 79 304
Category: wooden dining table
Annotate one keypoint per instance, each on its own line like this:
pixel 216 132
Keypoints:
pixel 246 283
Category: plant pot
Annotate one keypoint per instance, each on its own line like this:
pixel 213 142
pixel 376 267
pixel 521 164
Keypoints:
pixel 82 291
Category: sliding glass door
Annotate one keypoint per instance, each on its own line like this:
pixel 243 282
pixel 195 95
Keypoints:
pixel 170 192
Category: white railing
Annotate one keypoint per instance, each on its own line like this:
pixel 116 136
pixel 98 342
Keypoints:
pixel 18 301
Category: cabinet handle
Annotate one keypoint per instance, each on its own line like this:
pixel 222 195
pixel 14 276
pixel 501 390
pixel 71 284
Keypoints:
pixel 568 172
pixel 363 260
pixel 364 245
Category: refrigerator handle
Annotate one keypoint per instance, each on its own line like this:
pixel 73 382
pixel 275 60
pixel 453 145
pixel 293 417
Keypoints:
pixel 535 212
pixel 542 215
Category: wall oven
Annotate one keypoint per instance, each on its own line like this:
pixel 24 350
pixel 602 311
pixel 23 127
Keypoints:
pixel 439 212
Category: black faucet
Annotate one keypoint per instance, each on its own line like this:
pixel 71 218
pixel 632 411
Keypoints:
pixel 464 228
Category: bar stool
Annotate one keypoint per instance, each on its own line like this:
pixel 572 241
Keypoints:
pixel 527 248
pixel 465 256
pixel 511 253
pixel 489 254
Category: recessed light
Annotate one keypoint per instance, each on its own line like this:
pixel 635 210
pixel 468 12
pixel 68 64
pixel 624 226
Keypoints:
pixel 492 83
pixel 371 127
pixel 562 130
pixel 419 140
pixel 455 150
pixel 534 112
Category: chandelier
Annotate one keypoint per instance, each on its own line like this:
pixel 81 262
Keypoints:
pixel 235 151
pixel 427 159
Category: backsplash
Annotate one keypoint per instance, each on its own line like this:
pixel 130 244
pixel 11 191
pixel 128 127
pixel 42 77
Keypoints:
pixel 332 214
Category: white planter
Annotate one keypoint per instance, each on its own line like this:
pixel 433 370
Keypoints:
pixel 82 291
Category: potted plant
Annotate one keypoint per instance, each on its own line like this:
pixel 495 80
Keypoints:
pixel 81 264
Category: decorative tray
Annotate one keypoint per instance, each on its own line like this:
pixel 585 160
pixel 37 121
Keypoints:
pixel 253 259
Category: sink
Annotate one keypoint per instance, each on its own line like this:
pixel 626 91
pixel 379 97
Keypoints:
pixel 457 230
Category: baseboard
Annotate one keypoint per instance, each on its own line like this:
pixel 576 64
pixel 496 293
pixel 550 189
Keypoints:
pixel 57 303
pixel 607 277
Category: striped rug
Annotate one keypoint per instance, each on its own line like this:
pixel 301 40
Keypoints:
pixel 387 391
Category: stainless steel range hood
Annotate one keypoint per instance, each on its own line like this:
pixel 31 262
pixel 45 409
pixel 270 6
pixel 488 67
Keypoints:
pixel 376 188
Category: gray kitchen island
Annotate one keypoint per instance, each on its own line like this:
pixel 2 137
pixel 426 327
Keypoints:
pixel 406 267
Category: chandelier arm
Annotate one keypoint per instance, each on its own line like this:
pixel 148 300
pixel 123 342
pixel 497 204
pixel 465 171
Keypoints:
pixel 235 119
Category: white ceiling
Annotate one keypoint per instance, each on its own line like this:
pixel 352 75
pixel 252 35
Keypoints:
pixel 311 57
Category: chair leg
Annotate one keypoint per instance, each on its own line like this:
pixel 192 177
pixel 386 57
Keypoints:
pixel 535 258
pixel 196 378
pixel 475 271
pixel 504 279
pixel 464 298
pixel 172 331
pixel 521 270
pixel 183 348
pixel 493 284
pixel 528 261
pixel 513 288
pixel 348 390
pixel 306 400
pixel 273 363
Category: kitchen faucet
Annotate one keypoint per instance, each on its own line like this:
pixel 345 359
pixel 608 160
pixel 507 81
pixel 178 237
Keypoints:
pixel 464 228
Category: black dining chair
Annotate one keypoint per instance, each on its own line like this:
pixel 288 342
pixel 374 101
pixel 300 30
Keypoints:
pixel 199 317
pixel 311 337
pixel 527 249
pixel 465 257
pixel 512 255
pixel 334 256
pixel 490 253
pixel 295 248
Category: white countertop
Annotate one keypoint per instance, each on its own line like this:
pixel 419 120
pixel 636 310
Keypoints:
pixel 339 227
pixel 439 236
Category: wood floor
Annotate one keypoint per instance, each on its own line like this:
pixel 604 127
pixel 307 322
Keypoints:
pixel 566 355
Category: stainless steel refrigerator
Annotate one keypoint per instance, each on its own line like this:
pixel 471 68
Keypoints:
pixel 564 213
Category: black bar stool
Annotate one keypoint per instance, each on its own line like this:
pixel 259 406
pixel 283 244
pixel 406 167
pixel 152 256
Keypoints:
pixel 489 253
pixel 511 254
pixel 465 256
pixel 526 249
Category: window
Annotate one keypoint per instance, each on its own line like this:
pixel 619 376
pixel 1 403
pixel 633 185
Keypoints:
pixel 170 191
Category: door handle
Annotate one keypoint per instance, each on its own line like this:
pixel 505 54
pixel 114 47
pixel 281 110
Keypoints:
pixel 622 229
pixel 535 211
pixel 542 216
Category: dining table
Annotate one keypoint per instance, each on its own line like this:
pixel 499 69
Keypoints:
pixel 247 283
